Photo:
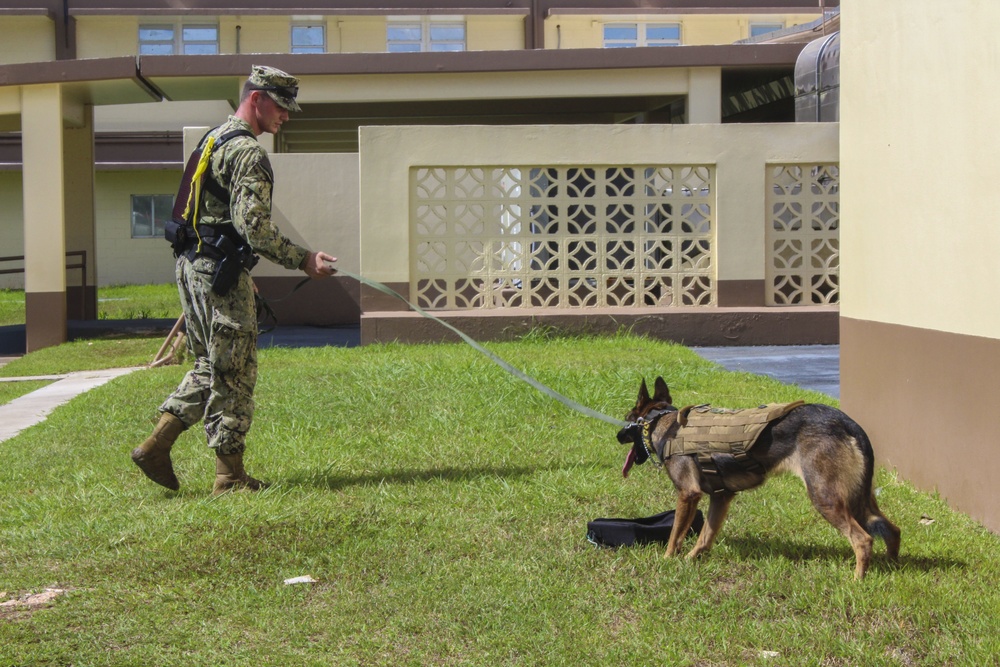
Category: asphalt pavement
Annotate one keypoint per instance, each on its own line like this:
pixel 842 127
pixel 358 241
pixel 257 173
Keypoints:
pixel 815 367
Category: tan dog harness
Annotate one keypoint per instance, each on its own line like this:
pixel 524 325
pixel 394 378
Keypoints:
pixel 708 432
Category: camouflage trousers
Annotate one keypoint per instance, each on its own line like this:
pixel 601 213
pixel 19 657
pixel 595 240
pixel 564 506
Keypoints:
pixel 222 339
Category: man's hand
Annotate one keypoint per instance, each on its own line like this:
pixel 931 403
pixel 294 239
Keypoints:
pixel 317 265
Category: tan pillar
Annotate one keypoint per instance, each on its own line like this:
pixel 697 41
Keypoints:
pixel 81 226
pixel 704 95
pixel 44 216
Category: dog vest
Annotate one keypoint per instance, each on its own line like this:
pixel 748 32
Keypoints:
pixel 719 435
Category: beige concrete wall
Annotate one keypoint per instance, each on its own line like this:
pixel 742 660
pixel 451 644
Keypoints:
pixel 738 152
pixel 11 226
pixel 586 31
pixel 920 237
pixel 26 39
pixel 717 29
pixel 361 34
pixel 257 34
pixel 494 33
pixel 108 36
pixel 315 204
pixel 10 108
pixel 160 116
pixel 122 259
pixel 499 85
pixel 919 242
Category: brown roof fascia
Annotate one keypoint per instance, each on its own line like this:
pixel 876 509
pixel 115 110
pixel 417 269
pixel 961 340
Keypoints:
pixel 144 71
pixel 83 72
pixel 27 11
pixel 747 55
pixel 68 71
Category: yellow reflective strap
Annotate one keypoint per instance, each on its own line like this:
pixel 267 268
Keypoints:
pixel 194 196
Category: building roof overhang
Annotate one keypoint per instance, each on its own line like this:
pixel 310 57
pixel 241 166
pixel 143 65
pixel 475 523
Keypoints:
pixel 129 80
pixel 342 91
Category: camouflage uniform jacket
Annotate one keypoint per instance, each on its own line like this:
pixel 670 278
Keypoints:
pixel 242 167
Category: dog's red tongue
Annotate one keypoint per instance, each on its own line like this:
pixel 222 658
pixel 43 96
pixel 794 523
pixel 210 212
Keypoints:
pixel 629 460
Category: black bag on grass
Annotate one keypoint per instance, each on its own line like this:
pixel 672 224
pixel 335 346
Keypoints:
pixel 628 532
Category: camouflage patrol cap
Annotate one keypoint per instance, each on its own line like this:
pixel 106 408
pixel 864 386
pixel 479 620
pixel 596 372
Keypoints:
pixel 281 87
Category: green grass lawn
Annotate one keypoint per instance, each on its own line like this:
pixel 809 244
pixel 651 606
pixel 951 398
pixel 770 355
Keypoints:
pixel 441 507
pixel 116 302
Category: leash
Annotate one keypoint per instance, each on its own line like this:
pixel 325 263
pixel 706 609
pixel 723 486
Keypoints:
pixel 516 372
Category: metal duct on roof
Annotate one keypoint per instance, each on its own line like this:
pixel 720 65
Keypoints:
pixel 817 81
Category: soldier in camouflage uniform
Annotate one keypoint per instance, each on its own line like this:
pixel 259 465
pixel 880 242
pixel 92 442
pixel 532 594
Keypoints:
pixel 222 330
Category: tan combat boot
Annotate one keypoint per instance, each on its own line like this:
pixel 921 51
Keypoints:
pixel 230 475
pixel 153 455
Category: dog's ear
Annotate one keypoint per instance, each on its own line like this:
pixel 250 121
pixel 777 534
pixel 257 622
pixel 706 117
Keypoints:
pixel 643 394
pixel 682 415
pixel 661 393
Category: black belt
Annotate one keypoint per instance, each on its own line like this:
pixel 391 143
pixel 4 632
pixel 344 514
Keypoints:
pixel 205 247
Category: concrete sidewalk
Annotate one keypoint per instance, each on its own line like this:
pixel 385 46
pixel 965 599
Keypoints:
pixel 32 408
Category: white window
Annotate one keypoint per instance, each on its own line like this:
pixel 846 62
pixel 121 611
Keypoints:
pixel 757 29
pixel 631 35
pixel 424 34
pixel 149 213
pixel 156 40
pixel 199 40
pixel 188 39
pixel 308 38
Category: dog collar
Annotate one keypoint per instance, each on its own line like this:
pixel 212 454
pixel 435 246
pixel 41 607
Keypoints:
pixel 642 433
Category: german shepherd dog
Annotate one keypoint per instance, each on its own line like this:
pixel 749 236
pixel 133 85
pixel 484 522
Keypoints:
pixel 827 449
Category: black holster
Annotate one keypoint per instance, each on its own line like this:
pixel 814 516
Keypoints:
pixel 230 262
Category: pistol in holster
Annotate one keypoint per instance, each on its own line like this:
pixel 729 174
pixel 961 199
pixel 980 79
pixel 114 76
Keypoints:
pixel 233 259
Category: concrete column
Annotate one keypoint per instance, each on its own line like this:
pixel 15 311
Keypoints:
pixel 704 95
pixel 81 226
pixel 44 216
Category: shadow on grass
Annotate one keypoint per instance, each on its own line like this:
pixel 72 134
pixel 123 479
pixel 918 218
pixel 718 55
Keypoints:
pixel 326 480
pixel 752 548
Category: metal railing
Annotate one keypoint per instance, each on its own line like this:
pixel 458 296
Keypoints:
pixel 80 264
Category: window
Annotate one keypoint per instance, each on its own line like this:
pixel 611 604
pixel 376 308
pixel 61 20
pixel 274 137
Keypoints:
pixel 186 39
pixel 424 34
pixel 156 40
pixel 149 213
pixel 199 40
pixel 308 38
pixel 757 29
pixel 631 35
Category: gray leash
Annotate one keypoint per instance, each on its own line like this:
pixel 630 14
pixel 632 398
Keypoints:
pixel 568 402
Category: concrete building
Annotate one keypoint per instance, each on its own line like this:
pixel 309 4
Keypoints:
pixel 920 328
pixel 122 86
pixel 511 166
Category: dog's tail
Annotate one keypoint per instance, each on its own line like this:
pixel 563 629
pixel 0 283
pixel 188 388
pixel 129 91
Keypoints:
pixel 868 514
